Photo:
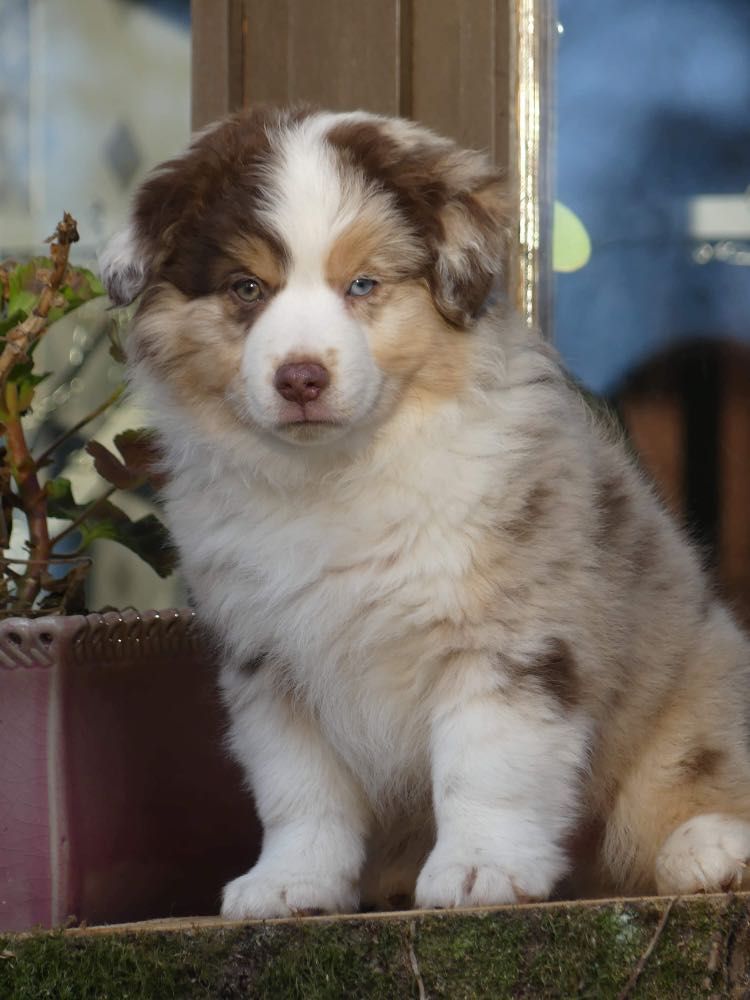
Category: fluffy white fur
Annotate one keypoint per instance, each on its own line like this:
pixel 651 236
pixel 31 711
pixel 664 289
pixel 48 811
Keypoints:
pixel 442 642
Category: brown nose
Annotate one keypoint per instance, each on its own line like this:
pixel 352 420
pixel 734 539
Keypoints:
pixel 301 383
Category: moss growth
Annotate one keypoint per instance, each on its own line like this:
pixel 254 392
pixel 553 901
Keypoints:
pixel 322 960
pixel 586 951
pixel 111 967
pixel 524 952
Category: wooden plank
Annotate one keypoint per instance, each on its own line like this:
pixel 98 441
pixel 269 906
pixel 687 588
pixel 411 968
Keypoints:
pixel 502 85
pixel 453 69
pixel 266 66
pixel 442 62
pixel 210 60
pixel 451 64
pixel 341 54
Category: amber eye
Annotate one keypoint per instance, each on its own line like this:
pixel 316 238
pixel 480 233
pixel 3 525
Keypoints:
pixel 247 289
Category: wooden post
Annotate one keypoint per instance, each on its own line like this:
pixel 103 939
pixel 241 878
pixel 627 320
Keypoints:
pixel 476 70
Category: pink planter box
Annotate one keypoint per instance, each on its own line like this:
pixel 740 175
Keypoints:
pixel 117 801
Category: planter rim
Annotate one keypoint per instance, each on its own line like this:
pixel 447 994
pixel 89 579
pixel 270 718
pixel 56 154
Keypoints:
pixel 108 637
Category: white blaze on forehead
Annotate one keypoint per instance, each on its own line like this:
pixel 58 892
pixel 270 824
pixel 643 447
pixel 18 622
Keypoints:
pixel 311 203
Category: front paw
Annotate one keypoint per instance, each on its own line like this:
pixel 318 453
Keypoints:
pixel 262 895
pixel 471 879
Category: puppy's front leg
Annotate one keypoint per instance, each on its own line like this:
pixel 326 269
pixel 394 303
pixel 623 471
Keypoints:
pixel 313 814
pixel 506 778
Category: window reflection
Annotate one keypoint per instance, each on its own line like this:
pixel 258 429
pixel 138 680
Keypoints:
pixel 93 94
pixel 654 158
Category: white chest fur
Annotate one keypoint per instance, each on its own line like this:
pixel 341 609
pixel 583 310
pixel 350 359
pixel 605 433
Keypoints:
pixel 342 580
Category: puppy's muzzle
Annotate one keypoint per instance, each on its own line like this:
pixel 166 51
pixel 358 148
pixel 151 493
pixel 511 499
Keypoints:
pixel 301 383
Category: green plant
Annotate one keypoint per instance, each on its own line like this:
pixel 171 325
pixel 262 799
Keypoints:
pixel 49 579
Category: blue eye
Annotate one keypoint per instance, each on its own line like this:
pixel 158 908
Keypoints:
pixel 361 287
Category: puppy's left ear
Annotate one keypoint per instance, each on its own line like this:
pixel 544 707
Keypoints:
pixel 123 266
pixel 471 241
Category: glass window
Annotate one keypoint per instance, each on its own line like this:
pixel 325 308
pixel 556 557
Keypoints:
pixel 93 94
pixel 653 159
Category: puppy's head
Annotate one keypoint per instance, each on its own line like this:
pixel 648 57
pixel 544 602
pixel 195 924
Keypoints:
pixel 301 272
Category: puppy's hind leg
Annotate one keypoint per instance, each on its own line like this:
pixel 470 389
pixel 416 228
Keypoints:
pixel 706 853
pixel 681 821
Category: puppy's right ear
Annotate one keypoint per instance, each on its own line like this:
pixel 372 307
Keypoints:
pixel 133 255
pixel 124 265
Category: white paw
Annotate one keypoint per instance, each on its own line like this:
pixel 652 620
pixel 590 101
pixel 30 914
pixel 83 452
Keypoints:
pixel 707 853
pixel 264 895
pixel 475 880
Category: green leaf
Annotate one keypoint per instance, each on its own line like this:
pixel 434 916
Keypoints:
pixel 27 281
pixel 116 350
pixel 26 382
pixel 111 468
pixel 60 502
pixel 13 319
pixel 56 313
pixel 24 287
pixel 81 285
pixel 147 537
pixel 141 454
pixel 23 373
pixel 22 302
pixel 95 285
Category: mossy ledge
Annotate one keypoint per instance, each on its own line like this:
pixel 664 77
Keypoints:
pixel 645 948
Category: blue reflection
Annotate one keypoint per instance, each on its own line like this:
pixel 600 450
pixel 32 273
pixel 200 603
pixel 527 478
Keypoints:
pixel 653 109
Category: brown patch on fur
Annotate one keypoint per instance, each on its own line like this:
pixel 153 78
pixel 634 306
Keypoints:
pixel 584 840
pixel 583 847
pixel 645 552
pixel 521 897
pixel 377 245
pixel 251 667
pixel 259 259
pixel 384 563
pixel 470 881
pixel 701 763
pixel 194 345
pixel 561 569
pixel 557 674
pixel 535 504
pixel 400 901
pixel 449 197
pixel 613 504
pixel 410 175
pixel 191 207
pixel 408 338
pixel 705 607
pixel 616 694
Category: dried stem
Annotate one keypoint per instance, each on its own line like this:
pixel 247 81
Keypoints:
pixel 22 338
pixel 18 345
pixel 34 503
pixel 626 992
pixel 4 286
pixel 53 560
pixel 109 401
pixel 412 955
